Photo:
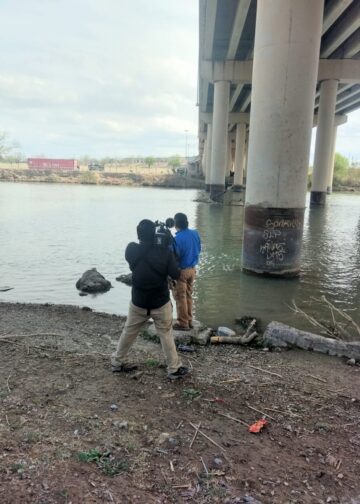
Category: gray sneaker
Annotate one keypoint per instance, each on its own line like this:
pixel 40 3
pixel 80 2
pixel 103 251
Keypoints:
pixel 180 373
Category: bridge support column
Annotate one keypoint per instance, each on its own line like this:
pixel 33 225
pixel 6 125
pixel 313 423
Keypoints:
pixel 324 142
pixel 203 158
pixel 219 139
pixel 240 153
pixel 332 162
pixel 229 163
pixel 286 54
pixel 208 157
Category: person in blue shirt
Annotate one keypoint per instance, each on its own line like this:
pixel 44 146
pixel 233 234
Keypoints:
pixel 187 247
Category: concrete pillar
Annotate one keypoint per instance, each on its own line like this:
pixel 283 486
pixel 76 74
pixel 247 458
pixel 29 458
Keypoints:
pixel 208 157
pixel 240 153
pixel 229 163
pixel 219 139
pixel 203 158
pixel 286 58
pixel 332 162
pixel 324 142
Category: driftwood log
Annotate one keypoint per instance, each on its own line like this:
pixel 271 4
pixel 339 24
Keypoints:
pixel 234 340
pixel 281 335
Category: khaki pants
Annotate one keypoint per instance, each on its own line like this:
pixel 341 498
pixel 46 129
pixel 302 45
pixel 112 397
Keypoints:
pixel 182 293
pixel 136 320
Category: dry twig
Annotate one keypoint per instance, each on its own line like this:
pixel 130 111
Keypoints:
pixel 264 371
pixel 316 378
pixel 207 437
pixel 194 436
pixel 260 412
pixel 232 418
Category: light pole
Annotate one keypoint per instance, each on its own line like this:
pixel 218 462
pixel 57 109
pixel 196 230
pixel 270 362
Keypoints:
pixel 186 145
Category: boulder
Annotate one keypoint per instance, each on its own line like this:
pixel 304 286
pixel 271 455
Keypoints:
pixel 92 281
pixel 126 279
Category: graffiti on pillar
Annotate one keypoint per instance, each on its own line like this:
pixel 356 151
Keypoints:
pixel 274 246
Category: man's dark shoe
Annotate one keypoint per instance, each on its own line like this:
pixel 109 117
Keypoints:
pixel 179 327
pixel 180 373
pixel 123 368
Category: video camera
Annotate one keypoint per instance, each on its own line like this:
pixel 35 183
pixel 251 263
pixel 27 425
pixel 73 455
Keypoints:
pixel 163 236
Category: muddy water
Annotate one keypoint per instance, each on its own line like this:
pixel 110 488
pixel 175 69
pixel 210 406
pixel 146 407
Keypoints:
pixel 50 234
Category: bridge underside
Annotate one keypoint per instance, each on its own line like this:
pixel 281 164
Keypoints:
pixel 269 70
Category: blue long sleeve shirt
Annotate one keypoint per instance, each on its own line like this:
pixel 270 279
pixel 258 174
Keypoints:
pixel 187 247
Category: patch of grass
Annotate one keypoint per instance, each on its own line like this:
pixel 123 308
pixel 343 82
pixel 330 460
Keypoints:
pixel 106 462
pixel 15 468
pixel 90 456
pixel 191 393
pixel 148 336
pixel 112 466
pixel 152 363
pixel 32 437
pixel 4 394
pixel 131 446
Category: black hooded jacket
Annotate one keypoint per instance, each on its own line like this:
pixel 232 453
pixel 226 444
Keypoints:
pixel 151 266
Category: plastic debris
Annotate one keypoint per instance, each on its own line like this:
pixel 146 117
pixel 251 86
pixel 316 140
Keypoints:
pixel 258 426
pixel 186 348
pixel 225 331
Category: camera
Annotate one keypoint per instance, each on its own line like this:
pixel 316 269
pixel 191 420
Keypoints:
pixel 163 236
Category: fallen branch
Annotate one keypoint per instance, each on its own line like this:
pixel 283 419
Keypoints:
pixel 260 412
pixel 204 465
pixel 194 436
pixel 234 340
pixel 233 418
pixel 232 380
pixel 341 312
pixel 264 371
pixel 35 335
pixel 290 413
pixel 316 378
pixel 7 383
pixel 207 437
pixel 281 335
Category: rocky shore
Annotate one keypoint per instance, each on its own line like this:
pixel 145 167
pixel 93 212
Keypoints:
pixel 71 431
pixel 102 178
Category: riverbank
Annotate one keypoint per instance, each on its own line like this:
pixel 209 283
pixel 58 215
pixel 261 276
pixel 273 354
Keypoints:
pixel 143 179
pixel 71 430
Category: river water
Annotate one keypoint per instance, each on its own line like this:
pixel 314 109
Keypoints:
pixel 51 233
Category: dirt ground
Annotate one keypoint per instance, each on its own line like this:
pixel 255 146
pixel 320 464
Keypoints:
pixel 73 432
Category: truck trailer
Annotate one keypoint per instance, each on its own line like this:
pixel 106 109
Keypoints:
pixel 52 164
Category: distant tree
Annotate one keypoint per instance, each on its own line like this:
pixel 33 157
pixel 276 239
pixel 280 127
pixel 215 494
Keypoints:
pixel 341 166
pixel 6 147
pixel 149 161
pixel 174 162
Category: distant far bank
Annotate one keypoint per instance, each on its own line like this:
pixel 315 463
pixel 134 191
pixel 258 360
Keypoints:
pixel 138 178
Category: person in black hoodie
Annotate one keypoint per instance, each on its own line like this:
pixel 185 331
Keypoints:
pixel 151 265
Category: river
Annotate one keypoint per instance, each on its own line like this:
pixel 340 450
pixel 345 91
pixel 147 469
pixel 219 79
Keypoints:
pixel 51 233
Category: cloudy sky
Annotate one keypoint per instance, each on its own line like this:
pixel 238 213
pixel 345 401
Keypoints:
pixel 105 78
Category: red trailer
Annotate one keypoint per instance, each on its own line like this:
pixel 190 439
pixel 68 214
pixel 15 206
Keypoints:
pixel 52 164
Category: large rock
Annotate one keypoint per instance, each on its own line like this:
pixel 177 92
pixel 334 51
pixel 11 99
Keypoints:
pixel 126 279
pixel 92 281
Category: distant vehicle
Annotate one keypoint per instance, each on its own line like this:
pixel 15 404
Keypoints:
pixel 52 164
pixel 95 167
pixel 182 170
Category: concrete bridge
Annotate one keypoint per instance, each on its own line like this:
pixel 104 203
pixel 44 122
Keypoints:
pixel 270 70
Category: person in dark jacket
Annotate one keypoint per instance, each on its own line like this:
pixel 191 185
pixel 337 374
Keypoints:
pixel 151 265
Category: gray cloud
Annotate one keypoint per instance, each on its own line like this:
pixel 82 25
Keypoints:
pixel 100 77
pixel 106 77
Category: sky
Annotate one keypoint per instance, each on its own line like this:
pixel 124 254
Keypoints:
pixel 104 78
